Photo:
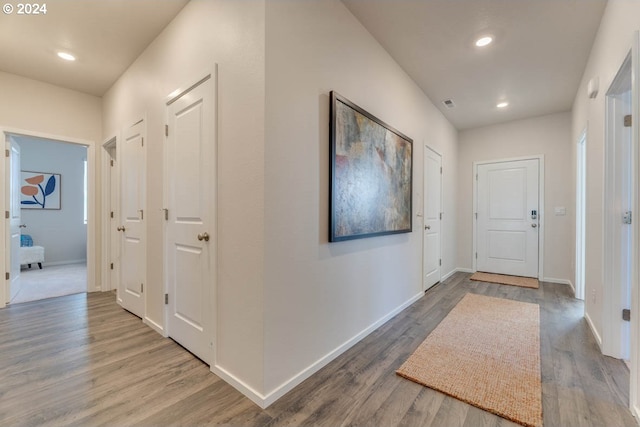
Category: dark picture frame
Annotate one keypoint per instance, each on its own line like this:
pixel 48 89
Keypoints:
pixel 371 190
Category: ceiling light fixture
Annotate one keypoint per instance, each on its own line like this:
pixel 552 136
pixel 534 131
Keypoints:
pixel 66 56
pixel 502 104
pixel 483 41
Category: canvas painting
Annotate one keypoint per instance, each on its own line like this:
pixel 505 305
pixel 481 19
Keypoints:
pixel 371 174
pixel 40 190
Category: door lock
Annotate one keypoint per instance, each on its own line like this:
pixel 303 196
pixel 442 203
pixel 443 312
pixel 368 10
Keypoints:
pixel 534 225
pixel 121 228
pixel 204 236
pixel 427 227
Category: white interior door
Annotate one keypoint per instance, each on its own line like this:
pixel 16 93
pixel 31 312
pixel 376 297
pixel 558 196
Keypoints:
pixel 191 231
pixel 132 242
pixel 508 217
pixel 15 220
pixel 432 217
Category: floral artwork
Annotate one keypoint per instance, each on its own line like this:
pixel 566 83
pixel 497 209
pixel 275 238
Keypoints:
pixel 40 190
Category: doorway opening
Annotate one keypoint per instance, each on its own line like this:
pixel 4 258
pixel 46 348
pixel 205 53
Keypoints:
pixel 49 200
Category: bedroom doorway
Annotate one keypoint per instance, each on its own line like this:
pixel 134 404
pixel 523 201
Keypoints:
pixel 52 199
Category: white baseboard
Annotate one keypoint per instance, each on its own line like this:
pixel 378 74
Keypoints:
pixel 155 326
pixel 635 411
pixel 449 274
pixel 465 270
pixel 561 282
pixel 264 401
pixel 72 261
pixel 593 330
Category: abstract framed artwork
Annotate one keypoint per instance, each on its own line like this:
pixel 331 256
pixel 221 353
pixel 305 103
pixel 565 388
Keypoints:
pixel 371 175
pixel 40 190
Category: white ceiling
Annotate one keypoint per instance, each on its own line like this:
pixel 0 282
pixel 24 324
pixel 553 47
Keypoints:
pixel 106 36
pixel 536 61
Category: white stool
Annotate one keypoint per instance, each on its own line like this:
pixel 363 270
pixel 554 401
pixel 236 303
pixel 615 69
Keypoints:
pixel 31 255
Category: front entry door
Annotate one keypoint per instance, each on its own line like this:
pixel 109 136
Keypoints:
pixel 191 225
pixel 132 244
pixel 432 218
pixel 508 217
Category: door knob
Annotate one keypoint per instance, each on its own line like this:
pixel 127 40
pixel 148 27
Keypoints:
pixel 121 228
pixel 534 225
pixel 204 236
pixel 427 227
pixel 22 226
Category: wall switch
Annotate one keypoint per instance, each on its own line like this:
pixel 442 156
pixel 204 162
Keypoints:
pixel 560 210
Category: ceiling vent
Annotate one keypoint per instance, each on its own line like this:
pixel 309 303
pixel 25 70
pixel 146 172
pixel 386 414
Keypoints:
pixel 448 103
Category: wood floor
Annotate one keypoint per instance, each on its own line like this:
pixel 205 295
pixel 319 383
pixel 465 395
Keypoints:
pixel 82 360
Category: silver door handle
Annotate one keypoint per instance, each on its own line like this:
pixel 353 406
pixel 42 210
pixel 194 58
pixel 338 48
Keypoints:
pixel 204 236
pixel 534 225
pixel 427 227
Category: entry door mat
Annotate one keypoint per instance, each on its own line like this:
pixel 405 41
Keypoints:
pixel 525 282
pixel 486 352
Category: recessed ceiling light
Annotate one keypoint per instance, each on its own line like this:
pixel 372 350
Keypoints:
pixel 502 104
pixel 483 41
pixel 66 56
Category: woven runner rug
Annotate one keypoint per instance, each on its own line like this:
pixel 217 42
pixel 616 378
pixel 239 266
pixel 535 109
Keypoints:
pixel 486 352
pixel 525 282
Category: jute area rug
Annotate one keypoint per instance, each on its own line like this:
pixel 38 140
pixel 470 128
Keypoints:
pixel 486 352
pixel 525 282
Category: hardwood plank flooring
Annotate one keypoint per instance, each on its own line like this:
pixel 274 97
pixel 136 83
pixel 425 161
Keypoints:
pixel 82 360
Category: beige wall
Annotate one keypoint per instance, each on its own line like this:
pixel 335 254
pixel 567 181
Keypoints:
pixel 611 46
pixel 320 296
pixel 547 135
pixel 42 109
pixel 231 34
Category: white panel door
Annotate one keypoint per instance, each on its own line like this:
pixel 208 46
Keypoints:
pixel 15 220
pixel 432 209
pixel 132 243
pixel 508 218
pixel 191 227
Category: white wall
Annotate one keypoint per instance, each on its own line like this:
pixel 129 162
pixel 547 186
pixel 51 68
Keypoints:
pixel 63 232
pixel 231 34
pixel 613 42
pixel 44 109
pixel 319 295
pixel 611 46
pixel 548 135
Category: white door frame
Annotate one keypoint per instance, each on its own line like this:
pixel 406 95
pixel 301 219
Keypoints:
pixel 634 395
pixel 614 335
pixel 580 244
pixel 541 211
pixel 108 173
pixel 426 146
pixel 92 278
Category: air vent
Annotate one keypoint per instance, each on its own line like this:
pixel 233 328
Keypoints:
pixel 448 103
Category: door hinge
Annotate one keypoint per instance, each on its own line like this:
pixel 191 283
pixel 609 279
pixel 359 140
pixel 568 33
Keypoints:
pixel 476 177
pixel 166 130
pixel 476 215
pixel 142 141
pixel 111 214
pixel 141 287
pixel 166 214
pixel 166 299
pixel 440 262
pixel 627 217
pixel 7 276
pixel 476 255
pixel 112 162
pixel 440 170
pixel 6 214
pixel 626 315
pixel 6 153
pixel 112 266
pixel 440 215
pixel 627 121
pixel 141 214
